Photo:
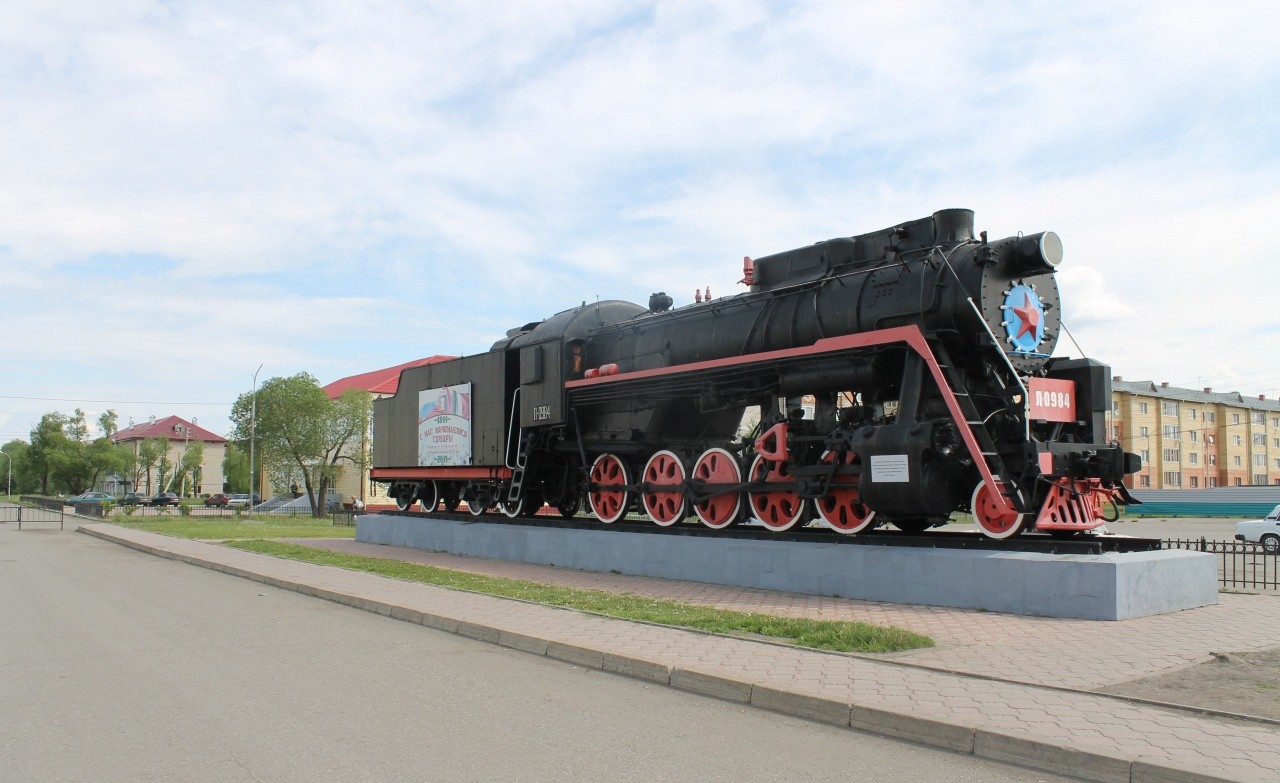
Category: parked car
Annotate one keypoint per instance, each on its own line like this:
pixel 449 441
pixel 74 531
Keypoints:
pixel 91 497
pixel 165 499
pixel 239 500
pixel 218 500
pixel 134 499
pixel 1265 531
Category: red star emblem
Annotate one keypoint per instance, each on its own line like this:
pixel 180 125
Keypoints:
pixel 1030 315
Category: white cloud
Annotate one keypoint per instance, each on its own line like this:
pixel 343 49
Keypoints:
pixel 332 188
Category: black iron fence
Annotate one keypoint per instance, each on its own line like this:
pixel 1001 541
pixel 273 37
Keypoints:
pixel 1241 564
pixel 53 504
pixel 32 515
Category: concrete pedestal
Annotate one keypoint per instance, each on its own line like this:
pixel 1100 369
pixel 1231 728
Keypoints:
pixel 1094 587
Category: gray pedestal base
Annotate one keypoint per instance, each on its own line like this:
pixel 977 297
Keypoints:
pixel 1094 587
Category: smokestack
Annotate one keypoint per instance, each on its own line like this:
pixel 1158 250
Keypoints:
pixel 952 225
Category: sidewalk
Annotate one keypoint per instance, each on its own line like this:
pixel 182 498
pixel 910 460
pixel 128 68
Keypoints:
pixel 988 644
pixel 1062 731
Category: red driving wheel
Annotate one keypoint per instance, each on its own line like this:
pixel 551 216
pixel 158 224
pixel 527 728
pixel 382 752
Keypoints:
pixel 842 508
pixel 665 501
pixel 717 466
pixel 609 505
pixel 780 509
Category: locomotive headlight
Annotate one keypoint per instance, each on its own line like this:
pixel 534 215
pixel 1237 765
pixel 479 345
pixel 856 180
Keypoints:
pixel 1037 253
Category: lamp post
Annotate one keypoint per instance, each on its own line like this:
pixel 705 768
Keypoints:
pixel 8 486
pixel 253 431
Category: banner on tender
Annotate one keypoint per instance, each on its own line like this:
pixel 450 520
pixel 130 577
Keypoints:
pixel 444 425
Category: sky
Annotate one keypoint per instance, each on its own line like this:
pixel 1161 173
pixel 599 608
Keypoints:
pixel 192 190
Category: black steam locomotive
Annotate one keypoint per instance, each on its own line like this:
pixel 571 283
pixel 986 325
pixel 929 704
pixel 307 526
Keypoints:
pixel 895 377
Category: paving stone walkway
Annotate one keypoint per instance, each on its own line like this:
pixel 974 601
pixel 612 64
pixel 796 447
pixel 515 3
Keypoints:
pixel 1038 650
pixel 1054 729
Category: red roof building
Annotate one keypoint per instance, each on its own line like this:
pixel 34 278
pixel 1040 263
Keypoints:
pixel 181 434
pixel 382 383
pixel 171 427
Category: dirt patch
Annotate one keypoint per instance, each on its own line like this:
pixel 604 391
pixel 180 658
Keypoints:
pixel 1246 683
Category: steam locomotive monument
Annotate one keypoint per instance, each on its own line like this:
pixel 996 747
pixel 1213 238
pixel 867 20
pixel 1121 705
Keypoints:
pixel 885 381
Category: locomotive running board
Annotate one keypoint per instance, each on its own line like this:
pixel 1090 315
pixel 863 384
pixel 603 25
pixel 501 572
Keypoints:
pixel 441 473
pixel 911 335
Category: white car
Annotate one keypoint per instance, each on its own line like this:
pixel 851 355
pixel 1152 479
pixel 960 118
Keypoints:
pixel 238 501
pixel 1264 531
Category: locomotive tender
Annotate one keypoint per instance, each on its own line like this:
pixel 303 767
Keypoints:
pixel 895 377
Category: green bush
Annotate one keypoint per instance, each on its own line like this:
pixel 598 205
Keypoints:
pixel 184 508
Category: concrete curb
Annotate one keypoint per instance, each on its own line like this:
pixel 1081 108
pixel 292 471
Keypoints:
pixel 711 685
pixel 1153 772
pixel 985 742
pixel 1052 757
pixel 801 705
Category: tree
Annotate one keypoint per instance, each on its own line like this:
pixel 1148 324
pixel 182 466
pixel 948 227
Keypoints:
pixel 189 467
pixel 69 466
pixel 164 466
pixel 145 458
pixel 24 479
pixel 66 459
pixel 47 437
pixel 105 458
pixel 298 427
pixel 235 469
pixel 109 423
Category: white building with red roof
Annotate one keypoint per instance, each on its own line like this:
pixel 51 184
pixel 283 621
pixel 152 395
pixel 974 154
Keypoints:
pixel 180 433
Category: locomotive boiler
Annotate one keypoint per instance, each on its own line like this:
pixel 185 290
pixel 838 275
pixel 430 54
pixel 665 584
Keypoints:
pixel 894 378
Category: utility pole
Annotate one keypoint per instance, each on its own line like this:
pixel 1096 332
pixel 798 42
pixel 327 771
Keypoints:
pixel 253 432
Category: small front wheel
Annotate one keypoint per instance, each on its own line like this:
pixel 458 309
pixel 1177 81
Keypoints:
pixel 1271 544
pixel 993 518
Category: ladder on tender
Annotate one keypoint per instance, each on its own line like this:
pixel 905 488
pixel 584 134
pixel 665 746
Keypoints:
pixel 518 460
pixel 517 465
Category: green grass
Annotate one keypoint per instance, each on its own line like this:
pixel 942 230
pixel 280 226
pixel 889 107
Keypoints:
pixel 818 634
pixel 258 526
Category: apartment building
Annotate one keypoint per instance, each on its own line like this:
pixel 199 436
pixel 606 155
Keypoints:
pixel 1192 439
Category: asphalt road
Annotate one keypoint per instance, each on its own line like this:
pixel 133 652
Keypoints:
pixel 118 666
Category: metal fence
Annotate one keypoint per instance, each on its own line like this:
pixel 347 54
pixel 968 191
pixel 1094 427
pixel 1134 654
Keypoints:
pixel 32 515
pixel 53 504
pixel 197 510
pixel 1241 564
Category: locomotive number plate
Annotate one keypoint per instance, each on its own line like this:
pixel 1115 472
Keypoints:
pixel 541 412
pixel 1051 399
